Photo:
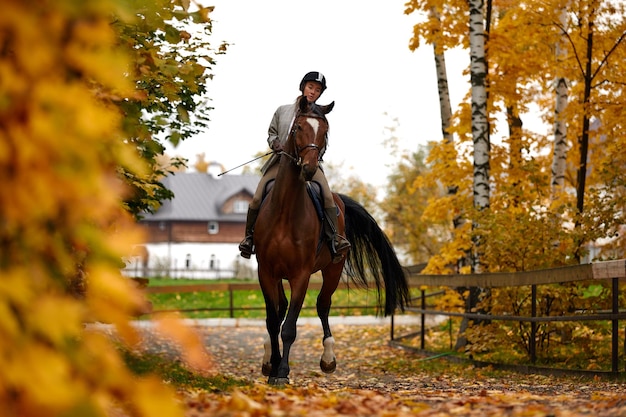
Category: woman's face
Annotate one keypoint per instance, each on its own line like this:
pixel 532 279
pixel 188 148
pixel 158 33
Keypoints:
pixel 312 91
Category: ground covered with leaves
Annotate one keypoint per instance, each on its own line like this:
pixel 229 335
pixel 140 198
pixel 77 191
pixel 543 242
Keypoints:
pixel 376 379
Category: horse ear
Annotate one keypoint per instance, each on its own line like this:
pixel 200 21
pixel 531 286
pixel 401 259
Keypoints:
pixel 303 104
pixel 327 108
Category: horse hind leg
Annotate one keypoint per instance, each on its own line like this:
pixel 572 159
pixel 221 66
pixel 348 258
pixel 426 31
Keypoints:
pixel 328 361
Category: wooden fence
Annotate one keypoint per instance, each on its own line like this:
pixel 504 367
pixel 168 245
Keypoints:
pixel 231 288
pixel 615 271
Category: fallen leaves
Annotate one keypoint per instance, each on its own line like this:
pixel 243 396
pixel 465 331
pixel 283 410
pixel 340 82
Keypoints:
pixel 374 379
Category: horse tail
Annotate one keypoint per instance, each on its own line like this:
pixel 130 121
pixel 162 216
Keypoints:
pixel 372 258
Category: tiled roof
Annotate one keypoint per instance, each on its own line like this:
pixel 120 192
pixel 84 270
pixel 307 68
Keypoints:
pixel 199 196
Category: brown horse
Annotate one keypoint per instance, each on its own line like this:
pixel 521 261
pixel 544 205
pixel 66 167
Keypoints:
pixel 290 246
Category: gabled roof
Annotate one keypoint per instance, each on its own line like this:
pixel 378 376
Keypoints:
pixel 200 196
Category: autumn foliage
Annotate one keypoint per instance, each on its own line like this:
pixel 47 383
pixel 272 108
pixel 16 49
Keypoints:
pixel 556 188
pixel 63 227
pixel 534 219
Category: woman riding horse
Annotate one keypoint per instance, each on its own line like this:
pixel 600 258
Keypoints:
pixel 312 86
pixel 290 247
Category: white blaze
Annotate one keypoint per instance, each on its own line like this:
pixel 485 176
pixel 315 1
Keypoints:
pixel 315 124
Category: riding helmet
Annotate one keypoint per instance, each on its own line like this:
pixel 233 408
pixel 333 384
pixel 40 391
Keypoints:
pixel 313 76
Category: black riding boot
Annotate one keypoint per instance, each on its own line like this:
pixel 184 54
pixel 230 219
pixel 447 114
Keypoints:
pixel 246 246
pixel 339 245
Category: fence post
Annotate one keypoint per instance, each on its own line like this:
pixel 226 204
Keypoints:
pixel 615 324
pixel 423 320
pixel 231 302
pixel 533 325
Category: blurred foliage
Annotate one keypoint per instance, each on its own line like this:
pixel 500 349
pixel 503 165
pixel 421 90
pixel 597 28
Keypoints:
pixel 70 124
pixel 145 363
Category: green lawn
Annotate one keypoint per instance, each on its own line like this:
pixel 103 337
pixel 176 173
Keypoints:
pixel 250 303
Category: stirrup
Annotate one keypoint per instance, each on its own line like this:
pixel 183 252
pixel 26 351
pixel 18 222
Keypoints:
pixel 246 248
pixel 339 248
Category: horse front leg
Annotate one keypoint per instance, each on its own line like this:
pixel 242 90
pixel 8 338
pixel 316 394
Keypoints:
pixel 275 309
pixel 289 329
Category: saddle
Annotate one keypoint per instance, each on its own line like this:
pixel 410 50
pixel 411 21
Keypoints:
pixel 313 188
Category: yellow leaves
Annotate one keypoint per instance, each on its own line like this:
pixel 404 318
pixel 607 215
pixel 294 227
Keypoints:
pixel 45 376
pixel 62 217
pixel 34 39
pixel 91 52
pixel 183 114
pixel 193 350
pixel 66 313
pixel 150 399
pixel 13 296
pixel 243 403
pixel 204 13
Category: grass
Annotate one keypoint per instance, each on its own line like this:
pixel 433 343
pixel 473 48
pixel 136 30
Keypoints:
pixel 250 303
pixel 588 353
pixel 591 352
pixel 175 373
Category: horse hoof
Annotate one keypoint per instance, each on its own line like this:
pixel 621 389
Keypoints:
pixel 266 369
pixel 328 367
pixel 278 381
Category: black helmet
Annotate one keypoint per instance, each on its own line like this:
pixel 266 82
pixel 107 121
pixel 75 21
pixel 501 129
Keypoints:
pixel 313 76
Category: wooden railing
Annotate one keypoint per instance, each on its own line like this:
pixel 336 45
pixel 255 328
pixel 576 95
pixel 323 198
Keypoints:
pixel 231 288
pixel 615 271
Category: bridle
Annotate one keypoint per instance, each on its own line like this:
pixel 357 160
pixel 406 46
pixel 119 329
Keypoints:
pixel 297 158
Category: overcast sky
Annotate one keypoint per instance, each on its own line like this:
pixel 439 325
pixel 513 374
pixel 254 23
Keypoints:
pixel 362 49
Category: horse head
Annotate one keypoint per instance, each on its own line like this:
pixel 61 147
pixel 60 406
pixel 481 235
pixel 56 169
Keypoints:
pixel 309 136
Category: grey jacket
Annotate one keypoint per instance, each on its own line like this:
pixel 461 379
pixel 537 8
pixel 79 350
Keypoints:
pixel 279 128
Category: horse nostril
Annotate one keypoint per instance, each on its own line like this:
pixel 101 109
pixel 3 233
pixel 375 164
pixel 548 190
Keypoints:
pixel 308 171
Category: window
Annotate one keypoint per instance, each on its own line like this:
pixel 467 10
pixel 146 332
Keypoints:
pixel 213 228
pixel 240 206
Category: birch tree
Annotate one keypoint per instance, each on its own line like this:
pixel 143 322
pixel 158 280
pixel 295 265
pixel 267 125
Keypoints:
pixel 480 121
pixel 436 30
pixel 506 184
pixel 561 97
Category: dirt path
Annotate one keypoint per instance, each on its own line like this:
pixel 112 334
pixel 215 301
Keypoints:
pixel 375 379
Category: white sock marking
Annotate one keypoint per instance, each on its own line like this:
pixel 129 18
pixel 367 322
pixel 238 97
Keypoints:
pixel 329 355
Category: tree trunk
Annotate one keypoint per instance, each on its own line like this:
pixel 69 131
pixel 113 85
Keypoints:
pixel 583 139
pixel 480 123
pixel 516 156
pixel 445 108
pixel 444 94
pixel 559 155
pixel 480 137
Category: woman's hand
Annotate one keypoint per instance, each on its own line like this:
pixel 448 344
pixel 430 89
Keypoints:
pixel 277 146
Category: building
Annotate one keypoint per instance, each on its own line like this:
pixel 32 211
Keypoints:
pixel 196 234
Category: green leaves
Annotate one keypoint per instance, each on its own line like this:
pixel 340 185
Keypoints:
pixel 171 57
